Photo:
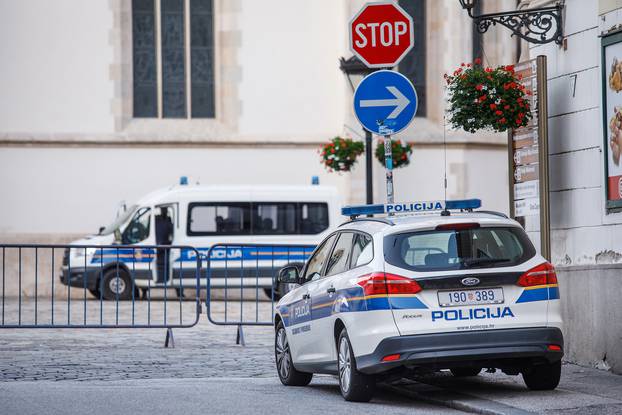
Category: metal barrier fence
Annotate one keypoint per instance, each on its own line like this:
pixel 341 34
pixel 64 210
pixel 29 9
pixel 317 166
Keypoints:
pixel 243 277
pixel 89 286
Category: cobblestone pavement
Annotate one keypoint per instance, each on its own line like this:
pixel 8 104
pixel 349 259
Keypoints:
pixel 207 351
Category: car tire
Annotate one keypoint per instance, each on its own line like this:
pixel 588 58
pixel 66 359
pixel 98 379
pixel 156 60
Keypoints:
pixel 464 372
pixel 354 385
pixel 543 377
pixel 114 288
pixel 288 374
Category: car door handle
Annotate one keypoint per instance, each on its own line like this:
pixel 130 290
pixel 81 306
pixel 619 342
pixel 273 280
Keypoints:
pixel 331 290
pixel 306 296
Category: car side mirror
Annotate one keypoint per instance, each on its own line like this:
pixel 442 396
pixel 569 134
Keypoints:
pixel 289 275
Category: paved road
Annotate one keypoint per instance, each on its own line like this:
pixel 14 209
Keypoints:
pixel 110 371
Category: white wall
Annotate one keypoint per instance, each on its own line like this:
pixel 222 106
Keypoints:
pixel 581 228
pixel 76 190
pixel 472 173
pixel 291 83
pixel 55 59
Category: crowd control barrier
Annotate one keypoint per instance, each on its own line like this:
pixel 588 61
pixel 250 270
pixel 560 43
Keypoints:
pixel 243 279
pixel 88 286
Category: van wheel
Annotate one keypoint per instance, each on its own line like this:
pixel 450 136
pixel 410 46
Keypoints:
pixel 95 292
pixel 355 386
pixel 288 374
pixel 543 377
pixel 463 372
pixel 116 285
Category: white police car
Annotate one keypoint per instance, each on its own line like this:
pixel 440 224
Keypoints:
pixel 458 290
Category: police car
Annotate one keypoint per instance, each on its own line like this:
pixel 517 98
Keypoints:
pixel 448 288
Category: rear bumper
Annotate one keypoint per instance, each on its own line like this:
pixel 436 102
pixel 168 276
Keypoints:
pixel 492 348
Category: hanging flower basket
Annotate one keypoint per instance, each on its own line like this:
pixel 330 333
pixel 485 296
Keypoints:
pixel 340 154
pixel 401 153
pixel 486 98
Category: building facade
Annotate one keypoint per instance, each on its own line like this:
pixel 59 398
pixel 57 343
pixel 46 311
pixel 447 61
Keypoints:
pixel 107 100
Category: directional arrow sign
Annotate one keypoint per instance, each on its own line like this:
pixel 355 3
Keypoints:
pixel 385 102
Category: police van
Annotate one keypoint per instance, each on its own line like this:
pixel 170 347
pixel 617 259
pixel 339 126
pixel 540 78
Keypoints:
pixel 439 286
pixel 201 217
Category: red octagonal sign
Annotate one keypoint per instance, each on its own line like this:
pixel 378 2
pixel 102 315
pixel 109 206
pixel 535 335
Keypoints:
pixel 381 34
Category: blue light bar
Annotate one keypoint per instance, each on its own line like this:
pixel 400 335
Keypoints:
pixel 362 210
pixel 463 204
pixel 411 207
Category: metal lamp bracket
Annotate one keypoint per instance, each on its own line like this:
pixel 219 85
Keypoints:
pixel 539 25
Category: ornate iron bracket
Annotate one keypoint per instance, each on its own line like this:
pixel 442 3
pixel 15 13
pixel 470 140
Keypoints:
pixel 542 25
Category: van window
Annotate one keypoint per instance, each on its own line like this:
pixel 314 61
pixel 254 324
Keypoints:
pixel 138 228
pixel 268 218
pixel 313 218
pixel 219 218
pixel 274 218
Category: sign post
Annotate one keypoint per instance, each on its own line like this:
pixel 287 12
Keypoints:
pixel 385 102
pixel 528 159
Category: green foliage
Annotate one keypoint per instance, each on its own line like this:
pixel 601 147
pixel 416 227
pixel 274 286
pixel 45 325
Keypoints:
pixel 401 153
pixel 487 98
pixel 340 154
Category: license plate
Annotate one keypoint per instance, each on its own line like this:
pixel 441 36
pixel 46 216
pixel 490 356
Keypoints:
pixel 470 297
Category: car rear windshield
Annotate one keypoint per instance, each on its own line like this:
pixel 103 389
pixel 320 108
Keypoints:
pixel 453 249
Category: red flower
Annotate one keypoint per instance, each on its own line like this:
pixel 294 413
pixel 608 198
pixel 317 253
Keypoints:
pixel 488 70
pixel 332 150
pixel 528 92
pixel 493 106
pixel 497 112
pixel 502 120
pixel 477 61
pixel 403 156
pixel 479 87
pixel 510 68
pixel 468 65
pixel 462 64
pixel 507 107
pixel 483 98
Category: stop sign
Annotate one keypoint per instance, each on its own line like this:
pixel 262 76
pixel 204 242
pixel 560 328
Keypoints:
pixel 381 34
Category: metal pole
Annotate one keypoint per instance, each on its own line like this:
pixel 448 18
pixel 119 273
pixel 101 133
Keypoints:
pixel 388 163
pixel 368 168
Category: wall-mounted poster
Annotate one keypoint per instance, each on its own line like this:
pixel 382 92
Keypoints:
pixel 612 118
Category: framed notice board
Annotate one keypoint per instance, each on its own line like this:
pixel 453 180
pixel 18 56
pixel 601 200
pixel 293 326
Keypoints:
pixel 612 118
pixel 528 160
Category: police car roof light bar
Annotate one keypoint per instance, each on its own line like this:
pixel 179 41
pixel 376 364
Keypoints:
pixel 414 207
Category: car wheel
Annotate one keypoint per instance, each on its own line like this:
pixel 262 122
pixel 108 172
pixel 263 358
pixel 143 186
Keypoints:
pixel 117 285
pixel 463 372
pixel 284 365
pixel 543 377
pixel 355 386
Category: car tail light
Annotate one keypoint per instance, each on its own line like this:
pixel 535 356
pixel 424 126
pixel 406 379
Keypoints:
pixel 540 275
pixel 391 358
pixel 383 283
pixel 457 226
pixel 554 347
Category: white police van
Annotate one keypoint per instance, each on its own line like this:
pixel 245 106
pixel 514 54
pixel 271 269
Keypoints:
pixel 201 217
pixel 382 296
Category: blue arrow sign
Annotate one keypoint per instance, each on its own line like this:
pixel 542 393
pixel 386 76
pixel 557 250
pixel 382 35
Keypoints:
pixel 385 102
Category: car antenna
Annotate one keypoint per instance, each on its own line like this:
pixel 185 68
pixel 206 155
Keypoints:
pixel 445 212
